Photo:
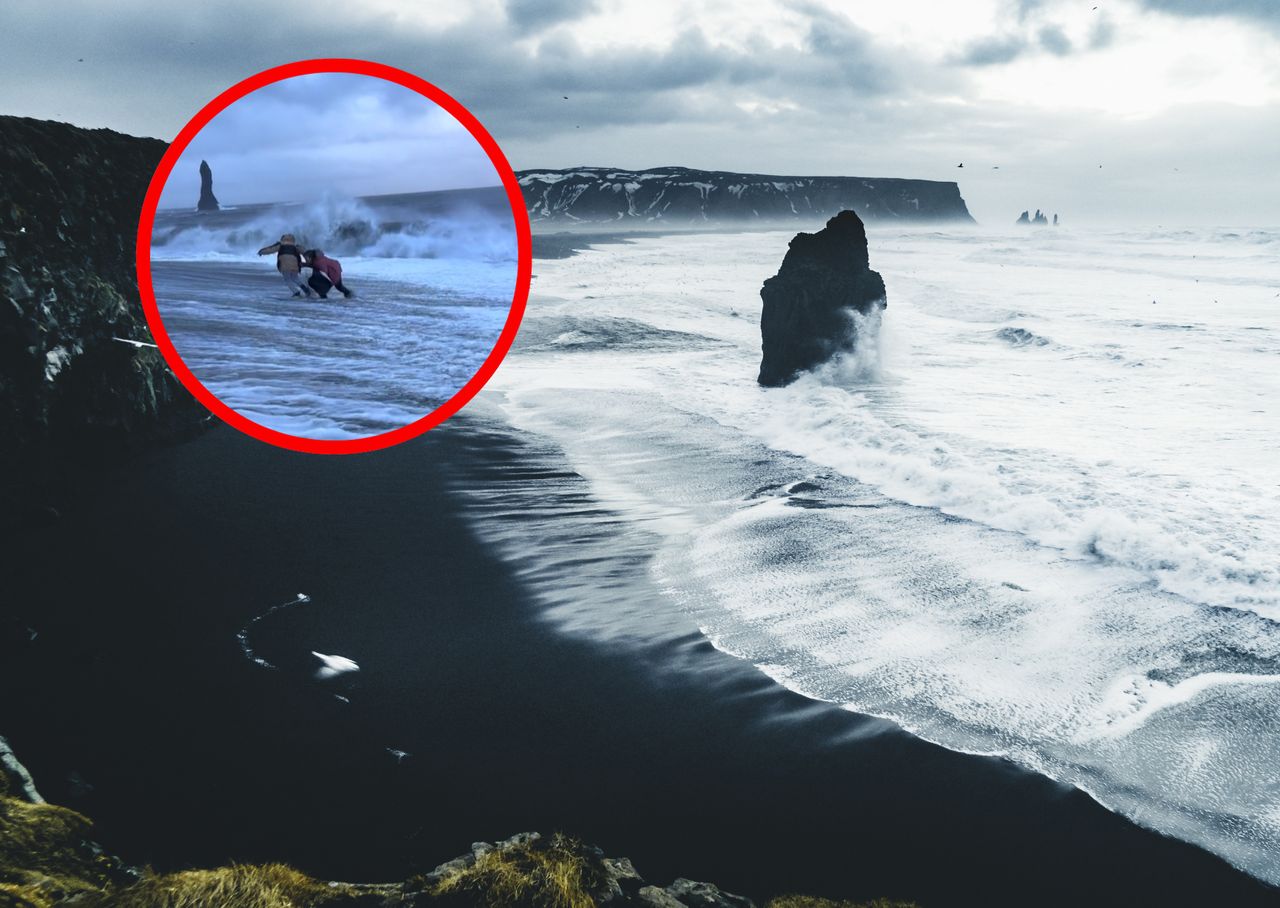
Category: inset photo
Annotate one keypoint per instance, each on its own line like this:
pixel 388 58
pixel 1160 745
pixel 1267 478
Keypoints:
pixel 336 256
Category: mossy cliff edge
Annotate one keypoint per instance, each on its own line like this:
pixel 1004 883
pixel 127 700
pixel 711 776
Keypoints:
pixel 48 857
pixel 72 395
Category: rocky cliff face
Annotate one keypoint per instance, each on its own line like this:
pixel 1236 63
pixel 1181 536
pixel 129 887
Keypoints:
pixel 680 196
pixel 69 390
pixel 809 304
pixel 208 201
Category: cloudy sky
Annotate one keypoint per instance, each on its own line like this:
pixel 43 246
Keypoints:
pixel 1143 111
pixel 329 133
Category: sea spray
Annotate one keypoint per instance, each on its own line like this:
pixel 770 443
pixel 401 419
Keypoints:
pixel 341 226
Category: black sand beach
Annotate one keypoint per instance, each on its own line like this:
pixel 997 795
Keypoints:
pixel 684 759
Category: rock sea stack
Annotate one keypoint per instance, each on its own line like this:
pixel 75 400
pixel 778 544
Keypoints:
pixel 809 304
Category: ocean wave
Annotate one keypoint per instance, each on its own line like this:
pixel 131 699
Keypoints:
pixel 340 226
pixel 834 427
pixel 584 334
pixel 1021 337
pixel 1132 701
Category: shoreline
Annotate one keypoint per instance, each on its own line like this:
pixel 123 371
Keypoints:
pixel 681 757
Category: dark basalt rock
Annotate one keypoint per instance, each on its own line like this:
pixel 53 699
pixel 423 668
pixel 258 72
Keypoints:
pixel 208 202
pixel 693 894
pixel 70 395
pixel 1024 218
pixel 808 304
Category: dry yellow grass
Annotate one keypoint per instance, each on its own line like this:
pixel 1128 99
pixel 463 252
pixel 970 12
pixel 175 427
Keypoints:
pixel 537 874
pixel 45 856
pixel 14 896
pixel 240 885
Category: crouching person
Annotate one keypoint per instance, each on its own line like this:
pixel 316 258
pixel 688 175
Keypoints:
pixel 326 273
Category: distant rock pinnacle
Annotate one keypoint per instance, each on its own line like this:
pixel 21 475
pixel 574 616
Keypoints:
pixel 208 202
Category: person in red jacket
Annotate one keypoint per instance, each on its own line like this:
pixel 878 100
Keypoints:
pixel 326 273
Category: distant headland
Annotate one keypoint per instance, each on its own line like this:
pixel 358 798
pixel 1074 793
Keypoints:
pixel 685 197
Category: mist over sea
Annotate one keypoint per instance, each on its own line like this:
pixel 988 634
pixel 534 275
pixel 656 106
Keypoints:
pixel 1035 515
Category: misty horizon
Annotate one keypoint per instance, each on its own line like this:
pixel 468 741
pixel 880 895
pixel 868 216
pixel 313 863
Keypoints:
pixel 310 201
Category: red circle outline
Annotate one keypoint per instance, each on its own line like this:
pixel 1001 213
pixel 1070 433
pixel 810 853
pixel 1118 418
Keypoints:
pixel 464 394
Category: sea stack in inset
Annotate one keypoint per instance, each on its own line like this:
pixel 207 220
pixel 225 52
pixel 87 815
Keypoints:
pixel 808 304
pixel 207 200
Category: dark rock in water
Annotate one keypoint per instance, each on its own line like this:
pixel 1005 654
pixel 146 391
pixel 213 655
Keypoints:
pixel 208 202
pixel 808 304
pixel 1021 337
pixel 682 196
pixel 1039 219
pixel 1055 220
pixel 71 395
pixel 1024 218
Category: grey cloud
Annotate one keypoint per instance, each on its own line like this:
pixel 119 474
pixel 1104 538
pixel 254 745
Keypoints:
pixel 851 50
pixel 1053 39
pixel 156 76
pixel 1103 33
pixel 1025 9
pixel 1262 10
pixel 993 50
pixel 535 15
